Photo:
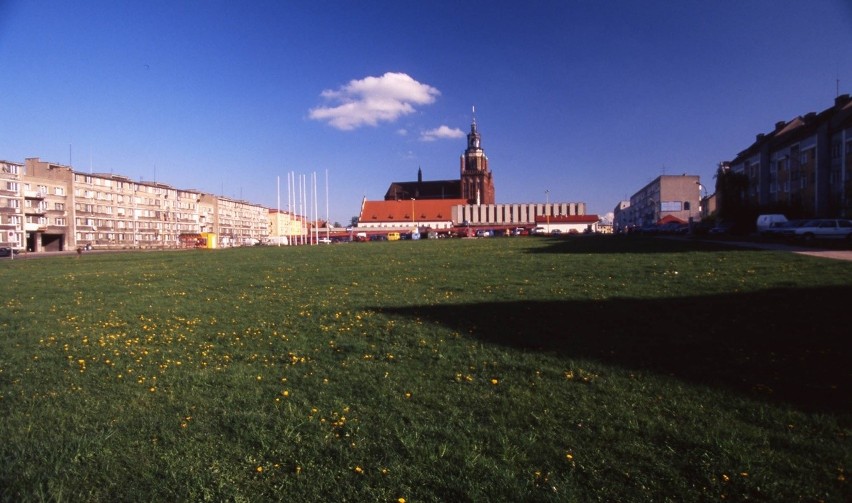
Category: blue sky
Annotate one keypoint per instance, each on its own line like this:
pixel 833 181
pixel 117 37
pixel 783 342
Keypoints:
pixel 589 99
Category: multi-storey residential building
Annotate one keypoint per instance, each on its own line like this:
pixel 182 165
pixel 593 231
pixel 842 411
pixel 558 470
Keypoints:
pixel 11 219
pixel 63 209
pixel 803 167
pixel 666 198
pixel 237 223
pixel 48 205
pixel 286 228
pixel 621 217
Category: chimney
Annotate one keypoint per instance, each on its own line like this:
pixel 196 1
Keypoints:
pixel 841 100
pixel 780 125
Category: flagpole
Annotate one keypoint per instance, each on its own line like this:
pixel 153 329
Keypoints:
pixel 278 209
pixel 326 206
pixel 290 198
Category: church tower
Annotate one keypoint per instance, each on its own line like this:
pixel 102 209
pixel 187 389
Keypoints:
pixel 477 185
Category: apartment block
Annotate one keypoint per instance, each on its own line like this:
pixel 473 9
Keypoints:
pixel 666 198
pixel 237 223
pixel 11 214
pixel 803 167
pixel 61 209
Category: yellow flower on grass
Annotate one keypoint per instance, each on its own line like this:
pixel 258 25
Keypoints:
pixel 495 381
pixel 259 469
pixel 359 470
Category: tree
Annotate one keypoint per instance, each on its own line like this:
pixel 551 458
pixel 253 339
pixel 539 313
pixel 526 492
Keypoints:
pixel 731 202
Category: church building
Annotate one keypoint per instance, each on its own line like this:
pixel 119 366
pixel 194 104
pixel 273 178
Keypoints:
pixel 476 184
pixel 467 203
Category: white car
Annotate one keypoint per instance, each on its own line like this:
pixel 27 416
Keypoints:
pixel 825 229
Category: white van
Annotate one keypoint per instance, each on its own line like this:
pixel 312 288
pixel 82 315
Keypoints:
pixel 764 222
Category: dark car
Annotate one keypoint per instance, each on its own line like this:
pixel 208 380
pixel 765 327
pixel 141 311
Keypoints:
pixel 7 252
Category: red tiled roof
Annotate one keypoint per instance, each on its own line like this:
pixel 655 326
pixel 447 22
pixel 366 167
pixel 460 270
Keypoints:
pixel 670 218
pixel 401 211
pixel 568 219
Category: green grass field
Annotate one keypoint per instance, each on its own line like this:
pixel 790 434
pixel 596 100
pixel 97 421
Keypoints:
pixel 506 369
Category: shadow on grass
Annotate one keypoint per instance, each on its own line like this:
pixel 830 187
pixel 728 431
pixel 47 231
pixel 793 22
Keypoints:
pixel 637 244
pixel 787 345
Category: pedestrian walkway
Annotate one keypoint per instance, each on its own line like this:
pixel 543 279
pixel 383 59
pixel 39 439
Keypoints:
pixel 813 251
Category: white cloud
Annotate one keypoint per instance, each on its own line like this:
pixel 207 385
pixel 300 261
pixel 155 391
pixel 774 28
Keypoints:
pixel 372 100
pixel 441 133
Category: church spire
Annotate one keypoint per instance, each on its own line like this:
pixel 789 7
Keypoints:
pixel 476 179
pixel 473 138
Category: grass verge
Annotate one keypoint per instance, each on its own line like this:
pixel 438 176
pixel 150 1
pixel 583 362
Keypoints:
pixel 592 369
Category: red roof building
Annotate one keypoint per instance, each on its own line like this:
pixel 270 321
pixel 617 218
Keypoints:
pixel 408 214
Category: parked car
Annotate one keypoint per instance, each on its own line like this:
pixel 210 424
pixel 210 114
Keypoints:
pixel 764 222
pixel 826 228
pixel 784 230
pixel 722 228
pixel 7 252
pixel 673 228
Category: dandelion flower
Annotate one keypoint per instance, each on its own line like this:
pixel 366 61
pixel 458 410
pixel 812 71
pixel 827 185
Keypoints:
pixel 359 470
pixel 495 381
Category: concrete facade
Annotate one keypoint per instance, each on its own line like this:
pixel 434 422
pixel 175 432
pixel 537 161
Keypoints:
pixel 802 167
pixel 512 214
pixel 62 210
pixel 11 213
pixel 667 196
